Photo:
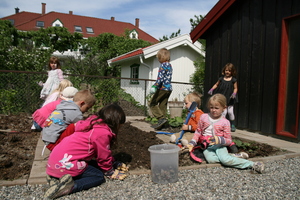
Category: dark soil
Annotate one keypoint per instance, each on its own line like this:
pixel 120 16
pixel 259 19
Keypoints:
pixel 18 143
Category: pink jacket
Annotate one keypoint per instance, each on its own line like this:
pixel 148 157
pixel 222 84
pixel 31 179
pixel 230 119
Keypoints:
pixel 70 156
pixel 220 128
pixel 40 115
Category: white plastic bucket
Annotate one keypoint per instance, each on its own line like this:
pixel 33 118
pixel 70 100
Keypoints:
pixel 164 163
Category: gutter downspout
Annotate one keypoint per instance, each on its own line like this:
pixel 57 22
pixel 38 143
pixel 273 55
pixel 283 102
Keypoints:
pixel 149 67
pixel 150 73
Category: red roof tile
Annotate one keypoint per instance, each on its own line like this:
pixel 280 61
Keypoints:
pixel 130 54
pixel 26 21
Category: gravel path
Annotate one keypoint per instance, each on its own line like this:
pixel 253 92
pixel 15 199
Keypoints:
pixel 281 180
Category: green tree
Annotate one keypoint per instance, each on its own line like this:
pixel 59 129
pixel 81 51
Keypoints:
pixel 198 77
pixel 99 49
pixel 17 51
pixel 174 34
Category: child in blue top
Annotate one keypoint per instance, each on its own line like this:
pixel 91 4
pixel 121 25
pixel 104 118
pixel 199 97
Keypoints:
pixel 162 88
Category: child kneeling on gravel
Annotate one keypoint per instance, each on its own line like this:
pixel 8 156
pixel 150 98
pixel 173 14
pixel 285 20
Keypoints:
pixel 69 169
pixel 213 134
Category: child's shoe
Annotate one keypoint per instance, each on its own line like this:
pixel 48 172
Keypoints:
pixel 51 180
pixel 160 123
pixel 241 155
pixel 173 138
pixel 233 129
pixel 258 167
pixel 64 187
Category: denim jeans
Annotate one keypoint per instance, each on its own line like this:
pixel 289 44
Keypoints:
pixel 91 177
pixel 217 154
pixel 37 127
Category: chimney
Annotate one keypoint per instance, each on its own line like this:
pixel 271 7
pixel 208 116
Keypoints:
pixel 17 10
pixel 71 12
pixel 137 22
pixel 43 8
pixel 112 18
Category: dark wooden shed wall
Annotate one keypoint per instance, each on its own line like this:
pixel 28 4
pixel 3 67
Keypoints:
pixel 248 35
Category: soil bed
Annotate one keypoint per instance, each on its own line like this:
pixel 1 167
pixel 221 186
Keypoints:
pixel 18 144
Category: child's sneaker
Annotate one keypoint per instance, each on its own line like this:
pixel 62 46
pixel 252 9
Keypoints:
pixel 258 167
pixel 51 180
pixel 173 138
pixel 233 129
pixel 62 188
pixel 160 123
pixel 241 155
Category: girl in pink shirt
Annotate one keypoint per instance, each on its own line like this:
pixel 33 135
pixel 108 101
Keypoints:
pixel 213 134
pixel 68 165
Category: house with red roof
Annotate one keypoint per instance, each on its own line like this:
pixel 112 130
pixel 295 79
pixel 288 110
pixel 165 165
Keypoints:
pixel 261 38
pixel 87 26
pixel 143 64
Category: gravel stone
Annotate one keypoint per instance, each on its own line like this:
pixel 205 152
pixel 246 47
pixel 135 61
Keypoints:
pixel 281 180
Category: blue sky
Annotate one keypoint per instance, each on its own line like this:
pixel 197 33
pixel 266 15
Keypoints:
pixel 157 18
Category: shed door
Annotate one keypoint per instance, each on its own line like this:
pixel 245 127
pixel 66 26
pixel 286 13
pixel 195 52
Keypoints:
pixel 289 82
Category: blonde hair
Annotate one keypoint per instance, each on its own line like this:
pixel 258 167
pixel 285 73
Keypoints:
pixel 194 96
pixel 231 68
pixel 54 60
pixel 62 85
pixel 219 98
pixel 163 55
pixel 86 96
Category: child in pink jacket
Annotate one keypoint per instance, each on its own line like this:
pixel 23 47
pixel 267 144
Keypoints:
pixel 68 165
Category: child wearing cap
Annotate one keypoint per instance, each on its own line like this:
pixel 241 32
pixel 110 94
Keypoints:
pixel 40 115
pixel 67 112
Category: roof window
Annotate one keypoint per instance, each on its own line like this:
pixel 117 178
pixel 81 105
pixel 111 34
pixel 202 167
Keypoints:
pixel 39 23
pixel 89 30
pixel 78 28
pixel 12 21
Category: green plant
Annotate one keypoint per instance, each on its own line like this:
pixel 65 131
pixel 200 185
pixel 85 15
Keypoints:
pixel 176 121
pixel 8 101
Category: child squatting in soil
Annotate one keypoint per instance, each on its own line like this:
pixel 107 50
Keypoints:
pixel 68 167
pixel 213 134
pixel 65 114
pixel 162 88
pixel 191 126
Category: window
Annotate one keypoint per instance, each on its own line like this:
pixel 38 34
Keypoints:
pixel 134 35
pixel 134 73
pixel 40 24
pixel 12 21
pixel 57 25
pixel 89 30
pixel 78 29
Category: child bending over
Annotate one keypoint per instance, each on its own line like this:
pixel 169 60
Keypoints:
pixel 66 113
pixel 68 165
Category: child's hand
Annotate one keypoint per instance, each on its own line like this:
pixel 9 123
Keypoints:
pixel 185 127
pixel 210 92
pixel 190 147
pixel 123 168
pixel 233 96
pixel 153 89
pixel 119 175
pixel 40 83
pixel 216 140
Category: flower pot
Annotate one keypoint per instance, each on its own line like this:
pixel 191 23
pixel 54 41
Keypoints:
pixel 175 108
